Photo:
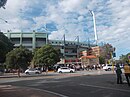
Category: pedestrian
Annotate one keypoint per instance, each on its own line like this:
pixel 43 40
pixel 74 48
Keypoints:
pixel 127 72
pixel 119 74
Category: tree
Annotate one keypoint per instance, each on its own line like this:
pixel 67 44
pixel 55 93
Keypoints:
pixel 108 51
pixel 5 47
pixel 19 58
pixel 46 56
pixel 124 58
pixel 101 60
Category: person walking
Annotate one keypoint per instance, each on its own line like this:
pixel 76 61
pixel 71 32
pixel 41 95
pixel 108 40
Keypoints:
pixel 119 74
pixel 127 72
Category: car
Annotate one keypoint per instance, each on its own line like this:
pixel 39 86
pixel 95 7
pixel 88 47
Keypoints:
pixel 32 71
pixel 108 67
pixel 65 70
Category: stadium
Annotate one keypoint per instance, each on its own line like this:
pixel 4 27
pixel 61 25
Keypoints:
pixel 71 50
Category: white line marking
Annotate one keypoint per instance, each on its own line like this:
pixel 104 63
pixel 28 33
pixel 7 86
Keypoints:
pixel 105 88
pixel 55 93
pixel 47 91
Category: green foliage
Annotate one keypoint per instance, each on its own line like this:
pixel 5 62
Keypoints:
pixel 5 47
pixel 101 60
pixel 107 52
pixel 19 58
pixel 46 55
pixel 124 58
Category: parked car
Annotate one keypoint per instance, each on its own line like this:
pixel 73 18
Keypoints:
pixel 32 71
pixel 108 67
pixel 65 69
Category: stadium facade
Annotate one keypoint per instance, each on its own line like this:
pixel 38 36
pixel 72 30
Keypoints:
pixel 71 50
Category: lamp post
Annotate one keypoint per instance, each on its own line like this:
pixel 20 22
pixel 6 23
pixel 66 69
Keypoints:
pixel 94 24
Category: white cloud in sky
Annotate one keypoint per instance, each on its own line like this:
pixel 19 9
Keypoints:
pixel 70 5
pixel 71 17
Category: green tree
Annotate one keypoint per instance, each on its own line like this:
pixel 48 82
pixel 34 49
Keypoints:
pixel 101 60
pixel 124 58
pixel 19 58
pixel 108 50
pixel 5 47
pixel 46 56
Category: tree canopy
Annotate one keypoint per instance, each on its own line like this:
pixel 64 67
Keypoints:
pixel 46 56
pixel 124 58
pixel 5 47
pixel 19 58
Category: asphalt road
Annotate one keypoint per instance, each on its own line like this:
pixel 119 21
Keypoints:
pixel 103 85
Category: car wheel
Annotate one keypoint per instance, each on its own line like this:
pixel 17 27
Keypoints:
pixel 109 69
pixel 37 73
pixel 60 71
pixel 27 73
pixel 71 71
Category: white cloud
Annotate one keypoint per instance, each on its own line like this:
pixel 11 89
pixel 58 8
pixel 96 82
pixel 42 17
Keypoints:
pixel 70 5
pixel 72 18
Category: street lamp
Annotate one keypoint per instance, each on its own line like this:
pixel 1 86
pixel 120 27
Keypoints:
pixel 94 25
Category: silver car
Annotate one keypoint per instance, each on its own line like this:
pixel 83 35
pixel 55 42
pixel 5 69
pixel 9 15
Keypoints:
pixel 65 70
pixel 32 71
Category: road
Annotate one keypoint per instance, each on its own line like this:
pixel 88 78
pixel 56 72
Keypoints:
pixel 95 85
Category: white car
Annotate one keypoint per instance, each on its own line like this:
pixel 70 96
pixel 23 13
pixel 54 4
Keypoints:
pixel 65 70
pixel 108 67
pixel 32 71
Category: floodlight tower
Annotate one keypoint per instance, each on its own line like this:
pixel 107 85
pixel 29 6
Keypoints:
pixel 94 26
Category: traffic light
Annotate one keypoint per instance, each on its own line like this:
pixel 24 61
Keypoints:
pixel 114 54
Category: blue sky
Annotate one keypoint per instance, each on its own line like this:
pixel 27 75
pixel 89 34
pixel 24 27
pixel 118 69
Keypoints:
pixel 72 18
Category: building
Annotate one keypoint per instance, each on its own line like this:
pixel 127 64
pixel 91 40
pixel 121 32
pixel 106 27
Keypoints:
pixel 31 40
pixel 74 52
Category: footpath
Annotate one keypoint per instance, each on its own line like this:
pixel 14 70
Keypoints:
pixel 12 91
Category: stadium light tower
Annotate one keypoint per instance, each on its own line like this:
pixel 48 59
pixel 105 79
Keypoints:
pixel 94 25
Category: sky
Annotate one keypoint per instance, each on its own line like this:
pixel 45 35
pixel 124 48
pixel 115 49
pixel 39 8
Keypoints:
pixel 72 18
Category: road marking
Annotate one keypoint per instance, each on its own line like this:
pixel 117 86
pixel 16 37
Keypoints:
pixel 55 93
pixel 105 88
pixel 47 91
